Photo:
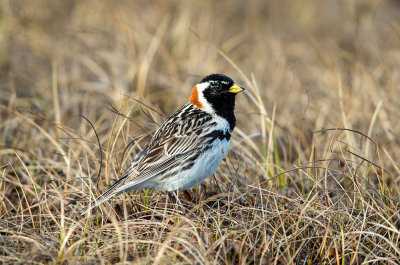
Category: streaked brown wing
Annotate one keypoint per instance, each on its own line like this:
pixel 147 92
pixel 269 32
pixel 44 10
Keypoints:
pixel 171 145
pixel 171 153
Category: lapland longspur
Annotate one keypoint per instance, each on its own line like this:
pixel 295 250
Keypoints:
pixel 188 147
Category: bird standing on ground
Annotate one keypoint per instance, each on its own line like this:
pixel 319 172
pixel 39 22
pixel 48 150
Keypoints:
pixel 188 147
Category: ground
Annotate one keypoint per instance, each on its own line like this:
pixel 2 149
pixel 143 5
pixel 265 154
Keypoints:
pixel 312 174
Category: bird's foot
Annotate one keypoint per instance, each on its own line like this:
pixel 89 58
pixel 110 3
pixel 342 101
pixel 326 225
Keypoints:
pixel 188 195
pixel 191 196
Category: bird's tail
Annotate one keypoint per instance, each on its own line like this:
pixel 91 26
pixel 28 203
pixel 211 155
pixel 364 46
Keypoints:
pixel 111 192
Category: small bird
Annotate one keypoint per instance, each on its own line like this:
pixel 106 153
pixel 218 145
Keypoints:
pixel 188 147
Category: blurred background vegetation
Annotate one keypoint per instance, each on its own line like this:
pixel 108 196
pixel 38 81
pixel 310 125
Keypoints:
pixel 307 64
pixel 323 63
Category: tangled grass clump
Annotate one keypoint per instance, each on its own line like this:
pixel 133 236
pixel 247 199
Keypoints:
pixel 312 173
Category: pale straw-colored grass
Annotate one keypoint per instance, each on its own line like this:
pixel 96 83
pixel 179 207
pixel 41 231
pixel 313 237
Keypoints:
pixel 312 176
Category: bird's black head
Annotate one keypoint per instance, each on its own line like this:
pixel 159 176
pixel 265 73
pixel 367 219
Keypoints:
pixel 216 93
pixel 218 82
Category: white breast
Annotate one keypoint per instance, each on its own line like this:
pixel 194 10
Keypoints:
pixel 206 164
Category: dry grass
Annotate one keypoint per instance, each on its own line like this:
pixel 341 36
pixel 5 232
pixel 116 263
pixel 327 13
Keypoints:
pixel 287 192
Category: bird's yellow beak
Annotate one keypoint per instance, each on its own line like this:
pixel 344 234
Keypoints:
pixel 236 89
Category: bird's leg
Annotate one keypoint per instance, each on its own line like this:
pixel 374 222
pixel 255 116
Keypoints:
pixel 216 182
pixel 173 196
pixel 203 193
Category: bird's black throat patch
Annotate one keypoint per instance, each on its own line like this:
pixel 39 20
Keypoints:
pixel 223 104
